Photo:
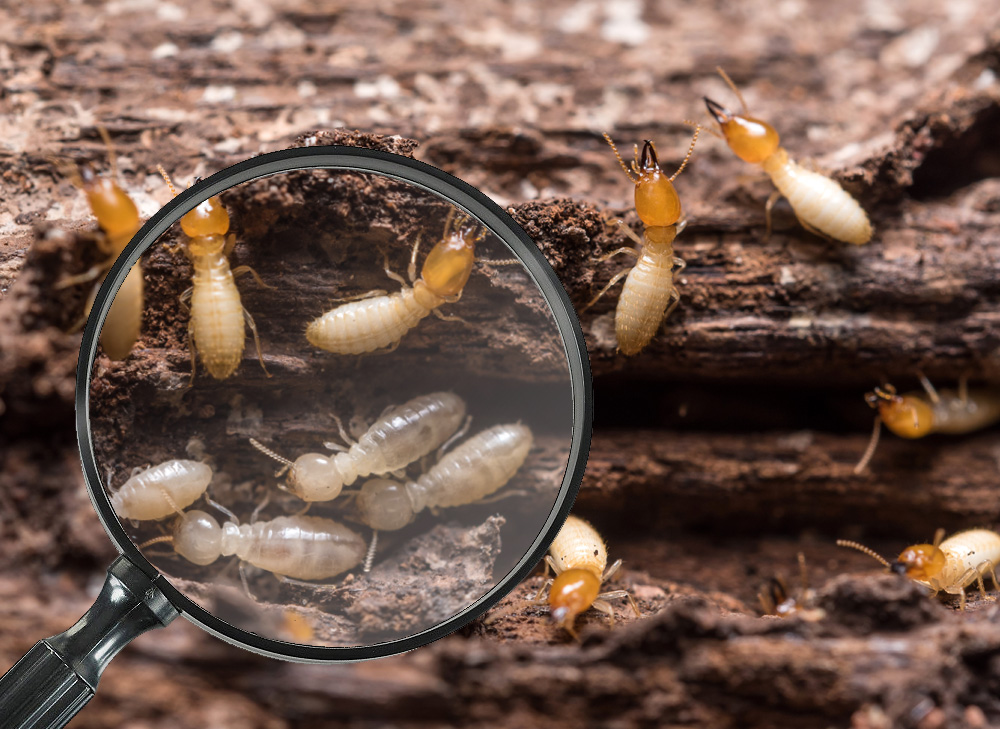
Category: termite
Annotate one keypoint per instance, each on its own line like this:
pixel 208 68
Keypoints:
pixel 776 600
pixel 649 294
pixel 216 327
pixel 378 322
pixel 579 558
pixel 950 565
pixel 475 469
pixel 396 439
pixel 301 547
pixel 118 217
pixel 918 414
pixel 822 206
pixel 161 491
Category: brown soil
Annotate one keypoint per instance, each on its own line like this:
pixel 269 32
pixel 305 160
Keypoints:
pixel 719 453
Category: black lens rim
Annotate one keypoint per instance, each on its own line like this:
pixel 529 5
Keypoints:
pixel 449 188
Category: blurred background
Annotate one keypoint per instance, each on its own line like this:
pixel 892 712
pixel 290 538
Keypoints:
pixel 719 453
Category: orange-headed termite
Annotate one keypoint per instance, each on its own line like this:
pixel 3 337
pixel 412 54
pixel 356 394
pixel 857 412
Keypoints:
pixel 917 414
pixel 649 294
pixel 378 322
pixel 579 559
pixel 821 205
pixel 775 600
pixel 396 439
pixel 118 218
pixel 950 565
pixel 161 490
pixel 301 547
pixel 473 470
pixel 216 327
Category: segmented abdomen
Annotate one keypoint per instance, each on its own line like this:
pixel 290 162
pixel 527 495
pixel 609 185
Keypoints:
pixel 579 546
pixel 124 320
pixel 955 417
pixel 407 433
pixel 967 550
pixel 475 469
pixel 217 319
pixel 303 547
pixel 819 201
pixel 644 299
pixel 162 490
pixel 366 325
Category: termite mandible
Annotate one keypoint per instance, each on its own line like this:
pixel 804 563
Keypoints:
pixel 822 206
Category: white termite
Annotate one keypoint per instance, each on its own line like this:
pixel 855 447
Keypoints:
pixel 472 471
pixel 396 439
pixel 821 205
pixel 161 491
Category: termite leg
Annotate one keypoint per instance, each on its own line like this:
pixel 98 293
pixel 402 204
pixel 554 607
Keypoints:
pixel 185 297
pixel 358 297
pixel 227 249
pixel 448 317
pixel 79 323
pixel 550 563
pixel 675 297
pixel 259 508
pixel 618 251
pixel 246 584
pixel 611 571
pixel 963 389
pixel 768 207
pixel 240 270
pixel 815 231
pixel 539 597
pixel 932 392
pixel 680 264
pixel 622 593
pixel 89 275
pixel 411 270
pixel 458 434
pixel 232 517
pixel 194 366
pixel 629 232
pixel 256 338
pixel 614 280
pixel 605 608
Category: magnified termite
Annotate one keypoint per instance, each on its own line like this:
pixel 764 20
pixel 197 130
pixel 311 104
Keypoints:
pixel 216 328
pixel 579 558
pixel 822 206
pixel 948 566
pixel 378 322
pixel 649 294
pixel 162 490
pixel 396 439
pixel 118 218
pixel 918 414
pixel 300 547
pixel 473 470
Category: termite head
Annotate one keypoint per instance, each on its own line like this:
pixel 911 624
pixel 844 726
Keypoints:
pixel 449 264
pixel 573 591
pixel 751 139
pixel 908 416
pixel 656 200
pixel 209 218
pixel 198 537
pixel 920 562
pixel 315 477
pixel 114 210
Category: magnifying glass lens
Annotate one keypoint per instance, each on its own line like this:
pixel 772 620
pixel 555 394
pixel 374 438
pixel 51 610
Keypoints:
pixel 349 415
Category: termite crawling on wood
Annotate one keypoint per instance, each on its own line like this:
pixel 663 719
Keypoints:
pixel 473 470
pixel 396 439
pixel 950 565
pixel 822 206
pixel 162 490
pixel 216 327
pixel 649 294
pixel 118 218
pixel 579 558
pixel 301 547
pixel 377 322
pixel 918 414
pixel 775 599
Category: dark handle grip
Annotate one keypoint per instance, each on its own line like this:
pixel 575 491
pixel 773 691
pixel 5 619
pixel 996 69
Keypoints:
pixel 59 675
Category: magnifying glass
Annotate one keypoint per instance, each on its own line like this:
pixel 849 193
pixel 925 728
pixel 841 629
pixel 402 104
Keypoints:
pixel 387 460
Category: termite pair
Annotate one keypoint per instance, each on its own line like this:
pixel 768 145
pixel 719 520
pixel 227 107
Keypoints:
pixel 918 414
pixel 948 566
pixel 378 322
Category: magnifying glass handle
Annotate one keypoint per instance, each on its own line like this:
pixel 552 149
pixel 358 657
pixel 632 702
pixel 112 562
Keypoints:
pixel 59 675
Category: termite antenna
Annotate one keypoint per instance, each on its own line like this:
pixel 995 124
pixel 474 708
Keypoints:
pixel 370 556
pixel 862 548
pixel 156 540
pixel 729 82
pixel 112 158
pixel 235 519
pixel 687 157
pixel 166 178
pixel 607 138
pixel 870 450
pixel 269 453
